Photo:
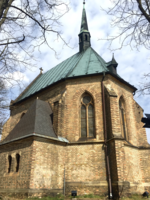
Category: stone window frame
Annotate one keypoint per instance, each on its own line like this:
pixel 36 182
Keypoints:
pixel 123 121
pixel 92 103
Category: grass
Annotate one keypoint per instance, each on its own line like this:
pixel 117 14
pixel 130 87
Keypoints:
pixel 61 197
pixel 135 197
pixel 58 197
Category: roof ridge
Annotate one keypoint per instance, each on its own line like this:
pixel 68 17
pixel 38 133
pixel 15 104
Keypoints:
pixel 77 62
pixel 97 55
pixel 88 62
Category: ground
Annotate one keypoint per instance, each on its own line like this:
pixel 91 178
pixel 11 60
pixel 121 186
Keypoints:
pixel 84 197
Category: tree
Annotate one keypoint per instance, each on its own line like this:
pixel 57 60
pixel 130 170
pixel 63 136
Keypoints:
pixel 3 104
pixel 132 17
pixel 24 26
pixel 144 88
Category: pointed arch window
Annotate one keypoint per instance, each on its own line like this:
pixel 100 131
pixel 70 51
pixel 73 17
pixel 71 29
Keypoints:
pixel 87 117
pixel 122 118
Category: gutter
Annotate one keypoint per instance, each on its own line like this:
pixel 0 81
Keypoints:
pixel 33 134
pixel 105 140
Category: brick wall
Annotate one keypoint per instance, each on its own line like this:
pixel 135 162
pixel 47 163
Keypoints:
pixel 85 168
pixel 15 180
pixel 133 112
pixel 85 163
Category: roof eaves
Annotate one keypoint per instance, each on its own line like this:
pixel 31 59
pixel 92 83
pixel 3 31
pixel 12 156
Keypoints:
pixel 35 134
pixel 73 77
pixel 122 80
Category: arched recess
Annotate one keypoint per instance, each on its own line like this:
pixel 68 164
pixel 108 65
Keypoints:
pixel 9 163
pixel 87 116
pixel 123 118
pixel 17 162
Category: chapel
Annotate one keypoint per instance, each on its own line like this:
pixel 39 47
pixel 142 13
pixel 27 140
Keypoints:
pixel 77 128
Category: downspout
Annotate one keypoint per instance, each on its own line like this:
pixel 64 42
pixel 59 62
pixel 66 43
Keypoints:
pixel 105 139
pixel 64 181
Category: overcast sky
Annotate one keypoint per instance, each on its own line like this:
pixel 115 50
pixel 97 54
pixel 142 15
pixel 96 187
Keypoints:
pixel 132 64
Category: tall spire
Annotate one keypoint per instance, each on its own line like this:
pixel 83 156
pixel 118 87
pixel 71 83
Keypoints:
pixel 84 24
pixel 84 35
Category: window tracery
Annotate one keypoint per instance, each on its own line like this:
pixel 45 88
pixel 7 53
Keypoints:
pixel 87 117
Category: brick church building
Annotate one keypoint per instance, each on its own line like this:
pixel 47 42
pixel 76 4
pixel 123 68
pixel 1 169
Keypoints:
pixel 76 127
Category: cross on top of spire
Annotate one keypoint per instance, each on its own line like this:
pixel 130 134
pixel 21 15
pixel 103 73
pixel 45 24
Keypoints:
pixel 83 1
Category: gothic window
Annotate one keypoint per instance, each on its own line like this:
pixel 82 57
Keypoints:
pixel 17 162
pixel 87 117
pixel 122 118
pixel 9 163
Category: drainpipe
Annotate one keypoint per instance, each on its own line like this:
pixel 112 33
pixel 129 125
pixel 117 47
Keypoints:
pixel 105 139
pixel 64 181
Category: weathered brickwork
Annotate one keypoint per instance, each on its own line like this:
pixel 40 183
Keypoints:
pixel 134 129
pixel 51 95
pixel 84 167
pixel 83 159
pixel 141 132
pixel 15 180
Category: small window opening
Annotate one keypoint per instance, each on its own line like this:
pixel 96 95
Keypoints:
pixel 51 116
pixel 18 162
pixel 123 118
pixel 85 37
pixel 9 163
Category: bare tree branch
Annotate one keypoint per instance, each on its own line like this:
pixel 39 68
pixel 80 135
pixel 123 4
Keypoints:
pixel 132 17
pixel 13 42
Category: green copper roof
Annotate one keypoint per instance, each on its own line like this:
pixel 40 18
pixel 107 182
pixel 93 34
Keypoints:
pixel 84 24
pixel 80 64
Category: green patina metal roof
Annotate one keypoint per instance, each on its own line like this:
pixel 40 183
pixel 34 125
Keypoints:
pixel 84 24
pixel 80 64
pixel 84 63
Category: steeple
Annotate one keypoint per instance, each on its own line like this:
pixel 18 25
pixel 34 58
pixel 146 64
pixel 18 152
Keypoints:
pixel 84 35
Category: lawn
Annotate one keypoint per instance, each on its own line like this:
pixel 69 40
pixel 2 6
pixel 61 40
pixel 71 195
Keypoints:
pixel 89 196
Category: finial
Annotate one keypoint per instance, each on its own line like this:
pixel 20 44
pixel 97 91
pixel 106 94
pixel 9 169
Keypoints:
pixel 113 55
pixel 41 69
pixel 83 1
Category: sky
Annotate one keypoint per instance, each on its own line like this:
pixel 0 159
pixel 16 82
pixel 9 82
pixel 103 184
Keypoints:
pixel 132 64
